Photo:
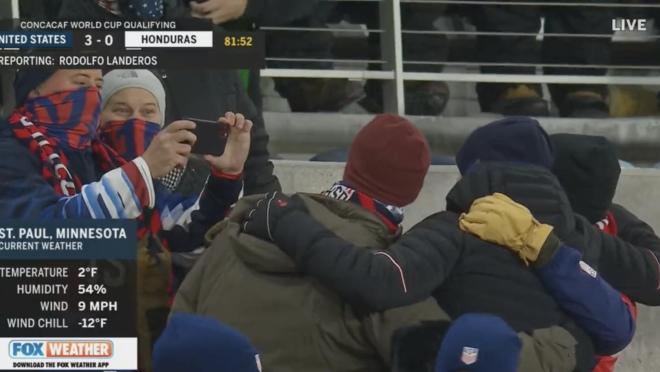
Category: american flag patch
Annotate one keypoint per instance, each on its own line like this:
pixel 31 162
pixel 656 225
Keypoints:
pixel 469 355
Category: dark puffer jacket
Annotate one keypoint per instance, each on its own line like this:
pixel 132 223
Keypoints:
pixel 632 270
pixel 427 255
pixel 633 230
pixel 464 274
pixel 588 169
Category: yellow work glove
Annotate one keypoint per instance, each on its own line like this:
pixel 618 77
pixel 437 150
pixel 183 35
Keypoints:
pixel 498 219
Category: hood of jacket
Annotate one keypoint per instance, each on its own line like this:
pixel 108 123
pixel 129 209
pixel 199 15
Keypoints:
pixel 588 169
pixel 348 221
pixel 534 187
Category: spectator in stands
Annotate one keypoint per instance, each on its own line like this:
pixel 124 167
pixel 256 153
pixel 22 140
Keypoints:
pixel 427 98
pixel 270 280
pixel 303 94
pixel 335 262
pixel 588 170
pixel 54 167
pixel 482 342
pixel 202 94
pixel 572 100
pixel 256 264
pixel 134 105
pixel 192 343
pixel 512 155
pixel 309 94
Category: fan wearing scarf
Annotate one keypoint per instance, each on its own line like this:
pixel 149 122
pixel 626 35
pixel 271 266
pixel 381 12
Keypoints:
pixel 54 167
pixel 133 113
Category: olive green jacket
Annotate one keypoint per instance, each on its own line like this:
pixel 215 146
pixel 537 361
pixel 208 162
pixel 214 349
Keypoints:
pixel 296 323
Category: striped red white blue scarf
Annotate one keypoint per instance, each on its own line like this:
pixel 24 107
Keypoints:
pixel 391 215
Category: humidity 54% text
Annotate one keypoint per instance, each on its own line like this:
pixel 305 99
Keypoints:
pixel 92 289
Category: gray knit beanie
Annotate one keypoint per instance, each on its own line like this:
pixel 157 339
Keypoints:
pixel 116 80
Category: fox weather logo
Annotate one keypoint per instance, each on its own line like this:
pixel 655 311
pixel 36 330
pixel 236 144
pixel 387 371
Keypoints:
pixel 27 350
pixel 34 349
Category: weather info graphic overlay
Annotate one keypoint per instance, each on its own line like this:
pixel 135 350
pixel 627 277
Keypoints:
pixel 117 44
pixel 69 295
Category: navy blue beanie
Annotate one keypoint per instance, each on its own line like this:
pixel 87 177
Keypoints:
pixel 28 80
pixel 479 343
pixel 512 139
pixel 200 344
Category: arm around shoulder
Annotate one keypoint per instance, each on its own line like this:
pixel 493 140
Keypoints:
pixel 404 273
pixel 633 230
pixel 632 270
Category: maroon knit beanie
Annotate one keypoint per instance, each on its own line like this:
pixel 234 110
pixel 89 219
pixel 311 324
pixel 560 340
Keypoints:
pixel 388 160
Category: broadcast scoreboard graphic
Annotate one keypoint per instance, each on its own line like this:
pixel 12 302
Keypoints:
pixel 69 295
pixel 117 44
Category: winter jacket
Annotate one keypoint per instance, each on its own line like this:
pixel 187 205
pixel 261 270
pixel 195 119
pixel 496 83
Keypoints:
pixel 123 193
pixel 433 256
pixel 463 273
pixel 269 12
pixel 298 324
pixel 203 94
pixel 262 12
pixel 607 363
pixel 223 92
pixel 632 270
pixel 275 303
pixel 633 230
pixel 194 177
pixel 588 169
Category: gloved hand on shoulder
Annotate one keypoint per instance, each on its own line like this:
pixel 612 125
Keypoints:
pixel 263 220
pixel 498 219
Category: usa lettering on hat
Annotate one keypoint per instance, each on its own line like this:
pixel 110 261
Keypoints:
pixel 469 355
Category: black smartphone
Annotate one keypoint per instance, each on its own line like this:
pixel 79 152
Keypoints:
pixel 211 137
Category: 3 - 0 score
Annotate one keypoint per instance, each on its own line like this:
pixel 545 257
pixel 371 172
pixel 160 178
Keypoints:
pixel 107 40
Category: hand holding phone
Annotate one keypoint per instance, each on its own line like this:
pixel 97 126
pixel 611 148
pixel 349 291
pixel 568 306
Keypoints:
pixel 237 146
pixel 211 137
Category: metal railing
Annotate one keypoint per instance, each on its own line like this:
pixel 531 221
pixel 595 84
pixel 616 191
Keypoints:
pixel 394 76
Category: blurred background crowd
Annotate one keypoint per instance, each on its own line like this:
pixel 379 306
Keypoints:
pixel 456 59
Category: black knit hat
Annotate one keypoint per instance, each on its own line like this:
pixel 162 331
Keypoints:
pixel 28 80
pixel 588 169
pixel 512 139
